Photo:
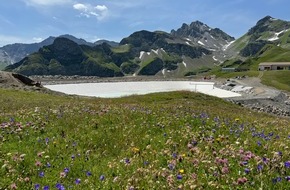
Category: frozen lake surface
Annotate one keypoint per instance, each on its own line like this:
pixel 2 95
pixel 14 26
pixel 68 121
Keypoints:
pixel 119 89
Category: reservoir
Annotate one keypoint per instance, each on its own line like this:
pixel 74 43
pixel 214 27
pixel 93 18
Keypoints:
pixel 120 89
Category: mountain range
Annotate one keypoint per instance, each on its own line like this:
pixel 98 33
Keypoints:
pixel 188 50
pixel 12 53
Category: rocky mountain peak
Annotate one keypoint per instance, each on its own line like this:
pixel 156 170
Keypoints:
pixel 265 20
pixel 199 30
pixel 195 30
pixel 269 23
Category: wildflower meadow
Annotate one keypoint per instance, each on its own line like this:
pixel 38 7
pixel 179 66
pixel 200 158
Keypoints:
pixel 176 140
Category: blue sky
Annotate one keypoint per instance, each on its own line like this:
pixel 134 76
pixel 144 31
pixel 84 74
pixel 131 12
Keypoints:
pixel 28 21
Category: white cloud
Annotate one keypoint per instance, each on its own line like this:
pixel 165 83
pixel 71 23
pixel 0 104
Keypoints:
pixel 80 7
pixel 101 8
pixel 88 10
pixel 36 39
pixel 46 2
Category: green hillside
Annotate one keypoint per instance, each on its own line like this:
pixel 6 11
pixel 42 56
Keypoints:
pixel 277 79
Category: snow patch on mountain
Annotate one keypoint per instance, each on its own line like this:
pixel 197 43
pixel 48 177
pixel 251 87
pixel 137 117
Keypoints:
pixel 141 54
pixel 275 37
pixel 200 43
pixel 163 71
pixel 158 52
pixel 185 65
pixel 155 51
pixel 228 45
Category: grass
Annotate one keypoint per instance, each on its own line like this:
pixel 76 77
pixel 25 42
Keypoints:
pixel 277 79
pixel 176 140
pixel 121 49
pixel 239 44
pixel 235 74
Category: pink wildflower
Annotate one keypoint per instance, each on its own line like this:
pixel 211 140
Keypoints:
pixel 225 170
pixel 13 186
pixel 242 180
pixel 38 163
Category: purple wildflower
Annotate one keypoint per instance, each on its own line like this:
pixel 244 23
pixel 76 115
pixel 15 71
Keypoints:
pixel 287 164
pixel 59 186
pixel 179 177
pixel 247 170
pixel 174 155
pixel 127 161
pixel 88 173
pixel 46 187
pixel 78 181
pixel 194 143
pixel 171 166
pixel 36 186
pixel 66 170
pixel 260 167
pixel 265 160
pixel 41 174
pixel 102 177
pixel 244 163
pixel 48 165
pixel 276 180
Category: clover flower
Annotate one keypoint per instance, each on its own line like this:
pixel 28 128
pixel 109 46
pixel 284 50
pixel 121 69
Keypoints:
pixel 225 170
